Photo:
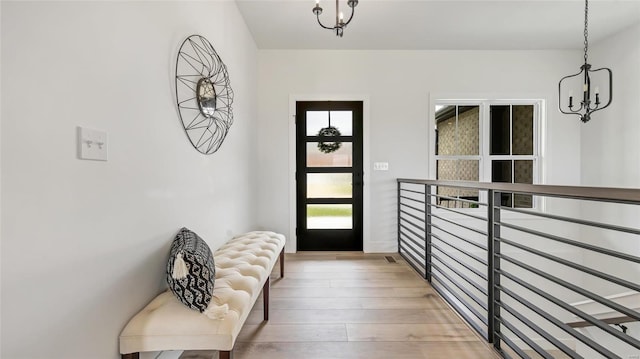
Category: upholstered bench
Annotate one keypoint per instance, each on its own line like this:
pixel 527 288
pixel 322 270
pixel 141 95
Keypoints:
pixel 242 268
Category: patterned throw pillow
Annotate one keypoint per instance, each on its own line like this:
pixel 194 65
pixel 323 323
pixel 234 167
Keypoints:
pixel 191 271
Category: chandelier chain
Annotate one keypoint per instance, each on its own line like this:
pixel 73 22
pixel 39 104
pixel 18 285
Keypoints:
pixel 586 32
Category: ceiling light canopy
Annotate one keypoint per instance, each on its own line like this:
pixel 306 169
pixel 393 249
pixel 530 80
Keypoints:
pixel 340 23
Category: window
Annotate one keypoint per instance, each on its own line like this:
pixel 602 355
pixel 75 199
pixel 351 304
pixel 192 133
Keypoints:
pixel 487 141
pixel 511 138
pixel 457 150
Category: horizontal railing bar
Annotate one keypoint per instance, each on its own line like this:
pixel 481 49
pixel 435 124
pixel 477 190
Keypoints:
pixel 482 261
pixel 550 338
pixel 410 190
pixel 420 270
pixel 609 303
pixel 462 301
pixel 409 244
pixel 414 225
pixel 553 320
pixel 513 347
pixel 417 227
pixel 461 275
pixel 408 239
pixel 457 212
pixel 419 235
pixel 459 199
pixel 414 252
pixel 477 272
pixel 579 267
pixel 412 207
pixel 412 199
pixel 414 255
pixel 469 320
pixel 458 285
pixel 460 225
pixel 574 243
pixel 575 220
pixel 412 216
pixel 596 322
pixel 616 320
pixel 619 195
pixel 543 353
pixel 460 238
pixel 418 238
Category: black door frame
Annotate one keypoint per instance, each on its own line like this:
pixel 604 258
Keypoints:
pixel 330 239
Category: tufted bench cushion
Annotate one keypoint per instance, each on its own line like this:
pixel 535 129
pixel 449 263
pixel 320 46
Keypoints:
pixel 243 266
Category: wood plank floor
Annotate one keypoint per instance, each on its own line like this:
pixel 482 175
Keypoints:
pixel 350 306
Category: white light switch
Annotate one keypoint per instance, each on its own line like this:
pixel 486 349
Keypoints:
pixel 381 166
pixel 92 144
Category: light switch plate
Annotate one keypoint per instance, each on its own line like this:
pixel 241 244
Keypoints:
pixel 381 166
pixel 92 144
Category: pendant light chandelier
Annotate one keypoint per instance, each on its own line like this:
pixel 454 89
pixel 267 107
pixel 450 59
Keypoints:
pixel 340 23
pixel 587 106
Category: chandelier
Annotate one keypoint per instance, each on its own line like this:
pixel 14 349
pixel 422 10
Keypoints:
pixel 587 106
pixel 340 23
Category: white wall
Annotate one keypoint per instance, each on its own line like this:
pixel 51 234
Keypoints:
pixel 398 85
pixel 610 157
pixel 84 244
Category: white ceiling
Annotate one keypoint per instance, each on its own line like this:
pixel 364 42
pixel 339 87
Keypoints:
pixel 443 25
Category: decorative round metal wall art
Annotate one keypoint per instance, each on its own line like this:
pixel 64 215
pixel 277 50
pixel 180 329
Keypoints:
pixel 328 132
pixel 203 94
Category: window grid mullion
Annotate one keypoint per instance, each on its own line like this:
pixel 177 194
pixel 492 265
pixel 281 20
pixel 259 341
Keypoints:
pixel 457 146
pixel 513 163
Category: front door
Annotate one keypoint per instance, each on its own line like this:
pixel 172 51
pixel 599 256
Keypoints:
pixel 329 175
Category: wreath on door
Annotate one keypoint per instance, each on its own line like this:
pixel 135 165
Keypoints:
pixel 329 133
pixel 329 146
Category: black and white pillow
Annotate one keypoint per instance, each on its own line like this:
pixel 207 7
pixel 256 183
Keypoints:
pixel 191 271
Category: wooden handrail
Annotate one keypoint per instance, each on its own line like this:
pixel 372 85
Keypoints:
pixel 607 194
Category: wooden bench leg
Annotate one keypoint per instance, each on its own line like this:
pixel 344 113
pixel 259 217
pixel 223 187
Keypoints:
pixel 282 263
pixel 265 297
pixel 131 356
pixel 225 354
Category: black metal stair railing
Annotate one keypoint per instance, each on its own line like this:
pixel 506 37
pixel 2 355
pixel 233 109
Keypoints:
pixel 545 281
